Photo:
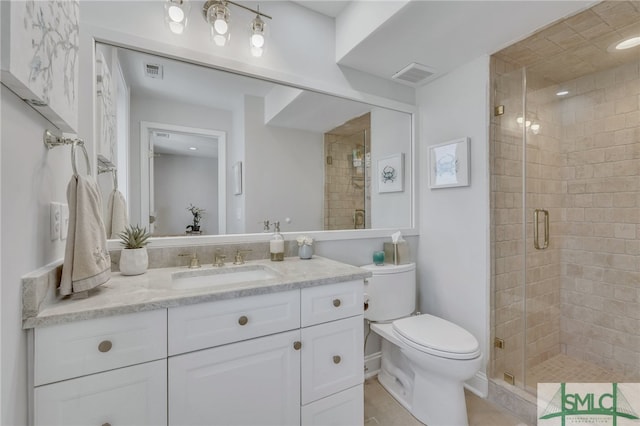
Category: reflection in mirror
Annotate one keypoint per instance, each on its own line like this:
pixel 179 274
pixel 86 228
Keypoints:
pixel 238 151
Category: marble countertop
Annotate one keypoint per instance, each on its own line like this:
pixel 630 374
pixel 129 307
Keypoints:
pixel 153 289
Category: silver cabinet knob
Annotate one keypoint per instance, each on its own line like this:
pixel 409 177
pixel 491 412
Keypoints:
pixel 336 302
pixel 337 359
pixel 105 346
pixel 243 320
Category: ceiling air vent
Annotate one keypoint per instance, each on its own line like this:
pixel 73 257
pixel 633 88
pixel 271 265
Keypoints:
pixel 162 135
pixel 153 70
pixel 414 74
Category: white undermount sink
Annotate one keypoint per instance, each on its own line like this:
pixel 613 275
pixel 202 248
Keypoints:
pixel 223 276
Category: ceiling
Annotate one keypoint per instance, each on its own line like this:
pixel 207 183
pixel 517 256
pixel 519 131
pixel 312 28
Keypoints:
pixel 578 45
pixel 444 34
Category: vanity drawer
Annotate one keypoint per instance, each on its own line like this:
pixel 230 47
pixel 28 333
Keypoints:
pixel 79 348
pixel 331 302
pixel 135 395
pixel 332 355
pixel 344 408
pixel 206 325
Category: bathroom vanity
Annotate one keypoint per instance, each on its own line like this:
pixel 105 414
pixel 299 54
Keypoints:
pixel 285 349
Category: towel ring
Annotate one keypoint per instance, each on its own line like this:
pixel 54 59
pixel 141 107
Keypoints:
pixel 76 144
pixel 51 141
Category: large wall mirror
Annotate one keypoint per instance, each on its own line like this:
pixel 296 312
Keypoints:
pixel 198 151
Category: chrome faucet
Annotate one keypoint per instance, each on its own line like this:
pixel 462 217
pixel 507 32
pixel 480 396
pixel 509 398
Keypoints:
pixel 239 258
pixel 218 258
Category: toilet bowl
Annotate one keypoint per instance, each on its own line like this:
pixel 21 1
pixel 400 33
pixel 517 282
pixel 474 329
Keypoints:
pixel 425 359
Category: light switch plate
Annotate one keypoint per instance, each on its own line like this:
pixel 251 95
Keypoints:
pixel 55 221
pixel 64 224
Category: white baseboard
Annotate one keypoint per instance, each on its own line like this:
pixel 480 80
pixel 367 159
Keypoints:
pixel 478 384
pixel 372 365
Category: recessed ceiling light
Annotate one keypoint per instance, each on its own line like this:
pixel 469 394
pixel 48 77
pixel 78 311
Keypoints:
pixel 562 93
pixel 193 148
pixel 628 43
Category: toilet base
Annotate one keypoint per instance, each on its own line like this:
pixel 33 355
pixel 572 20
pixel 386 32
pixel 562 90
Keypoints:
pixel 417 382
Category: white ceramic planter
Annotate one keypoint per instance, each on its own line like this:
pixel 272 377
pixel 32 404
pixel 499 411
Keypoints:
pixel 134 261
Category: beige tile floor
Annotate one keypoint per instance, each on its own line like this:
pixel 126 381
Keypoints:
pixel 380 409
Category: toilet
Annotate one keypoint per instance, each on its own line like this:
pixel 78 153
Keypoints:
pixel 425 359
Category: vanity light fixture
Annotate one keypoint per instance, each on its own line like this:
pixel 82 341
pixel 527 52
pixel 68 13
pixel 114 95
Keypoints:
pixel 218 16
pixel 176 13
pixel 562 93
pixel 532 124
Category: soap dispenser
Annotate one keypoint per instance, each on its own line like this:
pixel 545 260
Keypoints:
pixel 276 245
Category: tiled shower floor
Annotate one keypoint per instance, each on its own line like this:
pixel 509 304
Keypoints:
pixel 563 368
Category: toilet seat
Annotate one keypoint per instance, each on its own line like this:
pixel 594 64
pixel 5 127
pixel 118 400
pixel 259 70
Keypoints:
pixel 436 336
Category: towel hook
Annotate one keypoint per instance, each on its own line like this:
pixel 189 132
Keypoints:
pixel 51 141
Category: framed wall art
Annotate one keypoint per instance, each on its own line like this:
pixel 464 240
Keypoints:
pixel 449 164
pixel 391 173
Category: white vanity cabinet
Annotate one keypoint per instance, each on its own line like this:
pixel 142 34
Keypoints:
pixel 306 369
pixel 293 357
pixel 333 355
pixel 254 381
pixel 101 371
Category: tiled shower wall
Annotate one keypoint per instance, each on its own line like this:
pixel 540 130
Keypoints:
pixel 346 187
pixel 601 246
pixel 583 292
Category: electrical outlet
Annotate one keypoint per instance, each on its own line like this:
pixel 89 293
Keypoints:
pixel 64 221
pixel 55 221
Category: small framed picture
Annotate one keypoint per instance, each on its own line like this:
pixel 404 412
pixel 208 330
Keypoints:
pixel 391 173
pixel 449 164
pixel 237 178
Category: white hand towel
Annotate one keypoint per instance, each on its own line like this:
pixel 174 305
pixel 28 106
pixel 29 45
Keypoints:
pixel 87 263
pixel 117 218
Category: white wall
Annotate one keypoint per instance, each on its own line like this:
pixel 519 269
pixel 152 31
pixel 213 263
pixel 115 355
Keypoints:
pixel 391 134
pixel 298 187
pixel 300 45
pixel 32 177
pixel 453 263
pixel 147 108
pixel 181 180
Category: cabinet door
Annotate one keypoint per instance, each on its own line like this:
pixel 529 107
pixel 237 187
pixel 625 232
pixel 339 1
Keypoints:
pixel 344 408
pixel 332 358
pixel 135 396
pixel 254 382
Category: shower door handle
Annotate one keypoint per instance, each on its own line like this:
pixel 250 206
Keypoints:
pixel 536 233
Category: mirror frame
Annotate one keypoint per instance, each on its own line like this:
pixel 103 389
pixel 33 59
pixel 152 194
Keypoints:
pixel 91 34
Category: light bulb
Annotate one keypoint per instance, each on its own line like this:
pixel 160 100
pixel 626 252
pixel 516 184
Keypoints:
pixel 535 128
pixel 519 120
pixel 176 14
pixel 257 51
pixel 219 40
pixel 257 40
pixel 221 26
pixel 176 27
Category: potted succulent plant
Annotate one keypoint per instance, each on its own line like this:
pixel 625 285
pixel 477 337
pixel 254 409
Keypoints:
pixel 134 259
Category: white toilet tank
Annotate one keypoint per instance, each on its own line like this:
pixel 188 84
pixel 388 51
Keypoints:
pixel 390 292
